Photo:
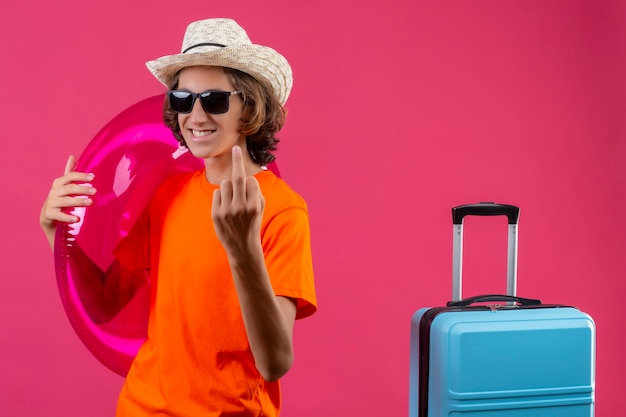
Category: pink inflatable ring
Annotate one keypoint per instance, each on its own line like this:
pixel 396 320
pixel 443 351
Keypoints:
pixel 130 158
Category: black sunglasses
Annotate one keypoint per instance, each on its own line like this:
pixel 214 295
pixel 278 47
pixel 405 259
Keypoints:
pixel 213 102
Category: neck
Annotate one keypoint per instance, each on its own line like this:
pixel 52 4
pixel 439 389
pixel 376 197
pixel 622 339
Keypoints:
pixel 220 169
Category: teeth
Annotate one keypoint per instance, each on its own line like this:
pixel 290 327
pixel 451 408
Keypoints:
pixel 200 133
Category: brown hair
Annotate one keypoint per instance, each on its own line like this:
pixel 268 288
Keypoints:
pixel 262 116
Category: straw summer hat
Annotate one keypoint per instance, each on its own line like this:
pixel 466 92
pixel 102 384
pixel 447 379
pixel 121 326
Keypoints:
pixel 223 43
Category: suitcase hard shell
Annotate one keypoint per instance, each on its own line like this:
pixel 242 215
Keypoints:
pixel 514 358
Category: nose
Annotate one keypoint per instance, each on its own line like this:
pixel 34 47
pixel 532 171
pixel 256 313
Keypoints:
pixel 197 112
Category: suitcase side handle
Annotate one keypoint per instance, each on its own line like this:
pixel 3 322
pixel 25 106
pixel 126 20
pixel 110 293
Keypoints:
pixel 485 209
pixel 494 297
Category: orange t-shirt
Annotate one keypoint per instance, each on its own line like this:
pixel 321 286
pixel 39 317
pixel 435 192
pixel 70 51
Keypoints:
pixel 196 360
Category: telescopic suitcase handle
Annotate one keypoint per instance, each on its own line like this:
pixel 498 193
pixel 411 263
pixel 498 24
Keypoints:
pixel 483 209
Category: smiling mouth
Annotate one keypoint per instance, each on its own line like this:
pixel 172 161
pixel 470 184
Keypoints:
pixel 201 133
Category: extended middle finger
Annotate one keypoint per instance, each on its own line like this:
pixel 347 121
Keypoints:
pixel 238 175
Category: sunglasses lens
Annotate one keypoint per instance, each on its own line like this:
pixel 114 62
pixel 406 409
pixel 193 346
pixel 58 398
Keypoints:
pixel 181 101
pixel 215 102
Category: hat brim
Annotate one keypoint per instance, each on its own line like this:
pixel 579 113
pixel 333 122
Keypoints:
pixel 261 62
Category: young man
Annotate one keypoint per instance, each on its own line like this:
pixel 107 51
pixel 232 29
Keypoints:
pixel 227 247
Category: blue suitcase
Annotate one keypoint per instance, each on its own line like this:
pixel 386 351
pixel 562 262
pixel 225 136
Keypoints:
pixel 500 355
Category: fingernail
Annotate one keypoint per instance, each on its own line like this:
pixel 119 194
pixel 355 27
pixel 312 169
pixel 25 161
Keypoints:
pixel 236 149
pixel 91 176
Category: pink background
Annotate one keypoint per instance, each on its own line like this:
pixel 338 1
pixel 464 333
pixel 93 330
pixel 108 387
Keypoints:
pixel 400 110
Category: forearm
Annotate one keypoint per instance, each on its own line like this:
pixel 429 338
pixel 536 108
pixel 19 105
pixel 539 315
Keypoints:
pixel 48 227
pixel 50 233
pixel 268 319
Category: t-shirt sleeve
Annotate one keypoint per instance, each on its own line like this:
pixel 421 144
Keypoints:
pixel 287 247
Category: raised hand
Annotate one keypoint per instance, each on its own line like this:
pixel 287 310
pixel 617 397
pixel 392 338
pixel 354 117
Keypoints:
pixel 70 190
pixel 237 209
pixel 237 212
